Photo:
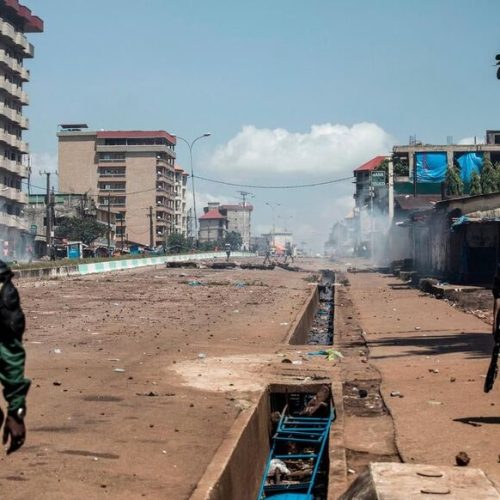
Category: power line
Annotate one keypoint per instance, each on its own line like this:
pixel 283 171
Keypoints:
pixel 260 186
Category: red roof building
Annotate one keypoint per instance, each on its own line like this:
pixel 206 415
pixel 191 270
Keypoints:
pixel 370 165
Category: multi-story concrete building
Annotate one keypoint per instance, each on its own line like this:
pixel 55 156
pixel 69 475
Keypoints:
pixel 180 214
pixel 133 171
pixel 213 224
pixel 239 218
pixel 15 21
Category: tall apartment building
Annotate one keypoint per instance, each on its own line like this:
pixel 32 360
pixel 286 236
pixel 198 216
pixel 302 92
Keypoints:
pixel 180 214
pixel 15 21
pixel 133 171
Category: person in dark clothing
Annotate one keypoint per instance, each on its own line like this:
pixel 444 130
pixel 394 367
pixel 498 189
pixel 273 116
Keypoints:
pixel 12 361
pixel 228 251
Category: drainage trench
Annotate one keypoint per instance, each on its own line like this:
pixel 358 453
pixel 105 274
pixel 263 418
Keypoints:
pixel 321 331
pixel 275 430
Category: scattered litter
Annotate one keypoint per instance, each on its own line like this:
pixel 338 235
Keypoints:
pixel 417 328
pixel 453 379
pixel 240 284
pixel 433 370
pixel 284 324
pixel 277 465
pixel 396 394
pixel 56 382
pixel 433 402
pixel 36 342
pixel 351 471
pixel 194 283
pixel 119 370
pixel 236 311
pixel 286 360
pixel 113 359
pixel 57 351
pixel 331 354
pixel 297 362
pixel 202 355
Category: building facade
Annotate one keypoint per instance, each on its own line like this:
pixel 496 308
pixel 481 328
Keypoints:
pixel 62 206
pixel 132 171
pixel 213 224
pixel 15 21
pixel 180 210
pixel 239 219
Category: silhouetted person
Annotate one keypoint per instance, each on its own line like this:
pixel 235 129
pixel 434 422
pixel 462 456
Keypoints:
pixel 12 360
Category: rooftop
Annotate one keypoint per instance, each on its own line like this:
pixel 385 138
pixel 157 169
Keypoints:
pixel 212 215
pixel 22 15
pixel 371 165
pixel 135 134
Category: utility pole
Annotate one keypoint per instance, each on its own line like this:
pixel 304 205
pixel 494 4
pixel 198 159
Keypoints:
pixel 151 236
pixel 390 172
pixel 109 223
pixel 121 228
pixel 244 195
pixel 48 214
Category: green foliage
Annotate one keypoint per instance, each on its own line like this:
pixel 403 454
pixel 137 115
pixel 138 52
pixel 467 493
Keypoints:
pixel 488 178
pixel 84 229
pixel 234 239
pixel 177 243
pixel 475 184
pixel 399 168
pixel 454 184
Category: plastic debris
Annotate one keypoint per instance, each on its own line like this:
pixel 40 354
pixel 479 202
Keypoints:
pixel 277 465
pixel 119 370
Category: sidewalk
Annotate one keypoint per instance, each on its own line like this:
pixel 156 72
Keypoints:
pixel 436 357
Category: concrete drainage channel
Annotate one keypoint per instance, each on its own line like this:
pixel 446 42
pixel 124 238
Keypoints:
pixel 238 467
pixel 315 323
pixel 266 453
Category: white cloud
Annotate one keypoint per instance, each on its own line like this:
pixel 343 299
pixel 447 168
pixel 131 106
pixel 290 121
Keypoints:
pixel 43 162
pixel 326 149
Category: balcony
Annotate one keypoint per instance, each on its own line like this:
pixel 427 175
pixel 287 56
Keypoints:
pixel 14 167
pixel 17 38
pixel 13 221
pixel 13 194
pixel 123 148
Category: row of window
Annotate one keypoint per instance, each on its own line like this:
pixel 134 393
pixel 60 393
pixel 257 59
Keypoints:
pixel 111 186
pixel 111 172
pixel 155 141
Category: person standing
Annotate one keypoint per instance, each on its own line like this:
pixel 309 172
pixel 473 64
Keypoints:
pixel 228 251
pixel 12 361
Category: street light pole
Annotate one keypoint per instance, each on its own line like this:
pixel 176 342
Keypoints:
pixel 190 146
pixel 273 206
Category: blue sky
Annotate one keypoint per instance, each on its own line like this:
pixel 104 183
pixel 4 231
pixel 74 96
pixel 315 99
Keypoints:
pixel 407 67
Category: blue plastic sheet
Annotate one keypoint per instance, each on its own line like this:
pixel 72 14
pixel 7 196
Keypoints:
pixel 431 167
pixel 469 163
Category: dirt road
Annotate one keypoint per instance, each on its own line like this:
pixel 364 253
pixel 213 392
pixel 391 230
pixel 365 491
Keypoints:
pixel 433 358
pixel 121 405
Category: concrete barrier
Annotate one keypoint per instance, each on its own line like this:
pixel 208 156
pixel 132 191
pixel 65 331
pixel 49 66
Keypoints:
pixel 117 265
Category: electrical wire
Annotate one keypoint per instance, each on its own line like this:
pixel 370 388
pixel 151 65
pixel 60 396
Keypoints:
pixel 261 186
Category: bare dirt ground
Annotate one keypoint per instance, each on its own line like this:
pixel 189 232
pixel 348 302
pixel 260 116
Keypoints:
pixel 433 358
pixel 121 404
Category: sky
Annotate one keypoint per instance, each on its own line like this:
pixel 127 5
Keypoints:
pixel 292 92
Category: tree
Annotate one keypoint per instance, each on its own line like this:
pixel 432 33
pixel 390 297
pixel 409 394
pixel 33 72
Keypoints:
pixel 475 184
pixel 84 229
pixel 398 168
pixel 234 239
pixel 454 184
pixel 177 243
pixel 488 178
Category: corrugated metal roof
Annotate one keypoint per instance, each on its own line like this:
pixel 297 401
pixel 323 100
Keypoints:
pixel 371 165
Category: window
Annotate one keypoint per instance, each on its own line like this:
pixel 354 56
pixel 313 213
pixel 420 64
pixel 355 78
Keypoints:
pixel 111 156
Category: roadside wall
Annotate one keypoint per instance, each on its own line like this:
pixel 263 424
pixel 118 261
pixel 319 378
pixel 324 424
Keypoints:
pixel 117 265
